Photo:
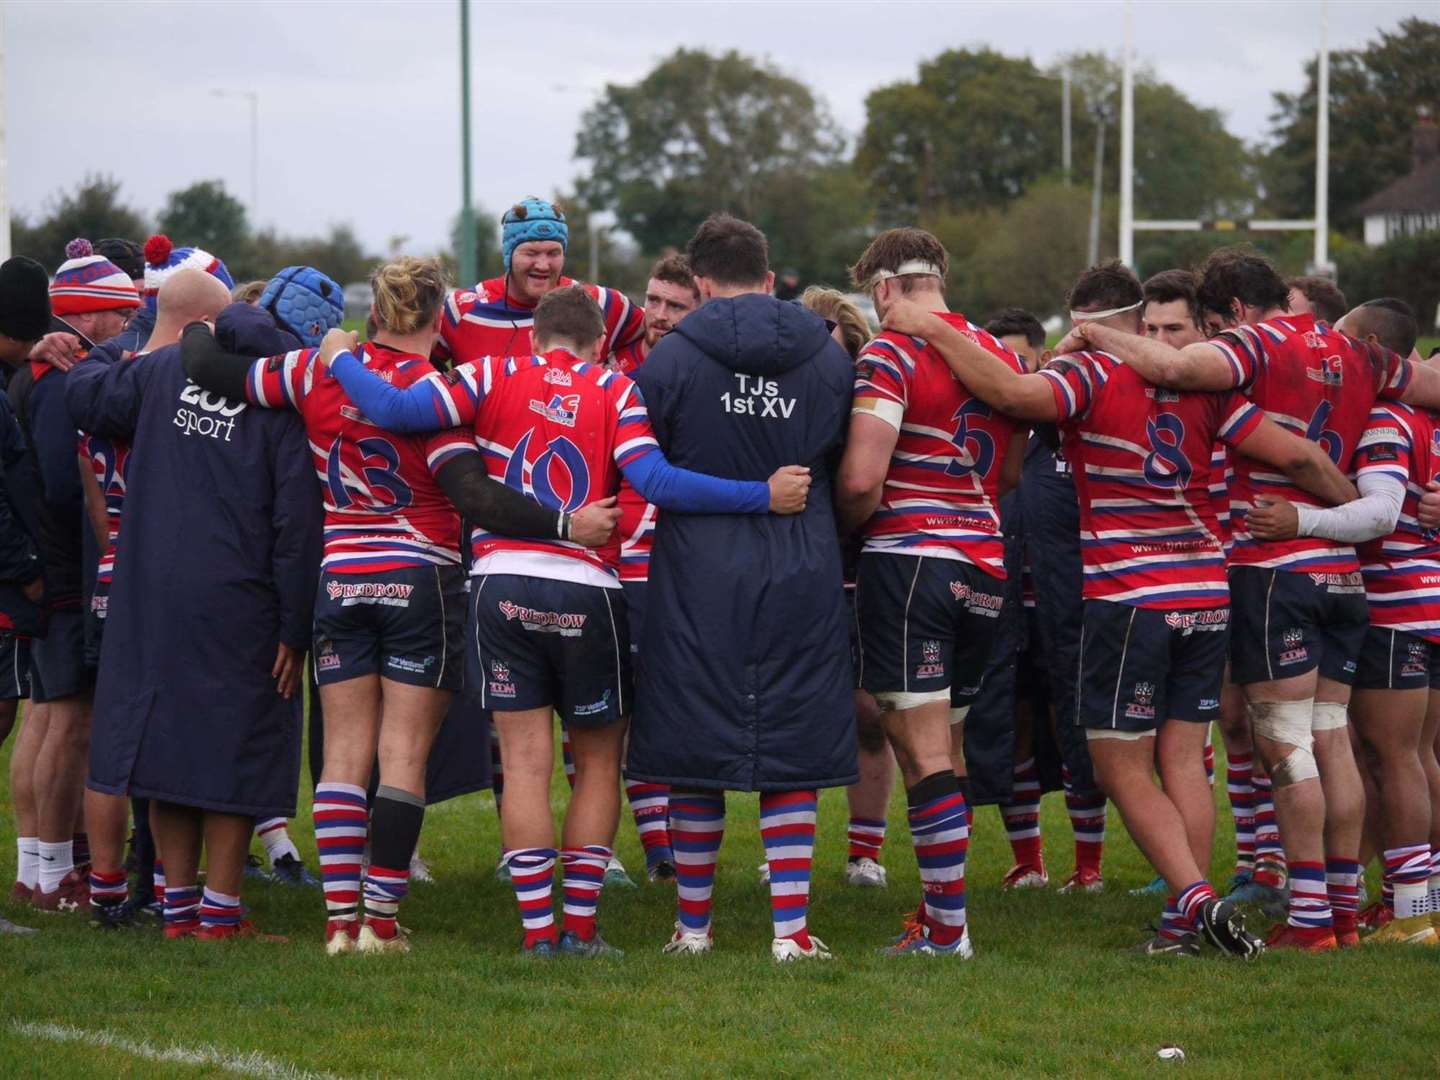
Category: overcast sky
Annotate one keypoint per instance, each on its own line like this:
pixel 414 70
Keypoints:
pixel 358 101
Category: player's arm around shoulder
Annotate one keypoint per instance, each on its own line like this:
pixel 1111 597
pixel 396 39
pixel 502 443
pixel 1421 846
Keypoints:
pixel 987 374
pixel 1204 365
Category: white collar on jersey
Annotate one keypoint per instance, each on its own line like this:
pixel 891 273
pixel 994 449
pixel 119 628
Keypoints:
pixel 913 266
pixel 1096 316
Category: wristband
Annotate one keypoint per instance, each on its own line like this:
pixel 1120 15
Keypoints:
pixel 563 526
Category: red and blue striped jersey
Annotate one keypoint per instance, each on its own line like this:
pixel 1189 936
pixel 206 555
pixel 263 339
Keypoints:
pixel 1314 381
pixel 485 321
pixel 637 517
pixel 941 494
pixel 628 358
pixel 107 458
pixel 1142 458
pixel 552 426
pixel 1221 475
pixel 1402 570
pixel 383 508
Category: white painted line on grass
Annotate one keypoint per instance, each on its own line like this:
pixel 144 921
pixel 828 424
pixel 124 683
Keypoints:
pixel 248 1064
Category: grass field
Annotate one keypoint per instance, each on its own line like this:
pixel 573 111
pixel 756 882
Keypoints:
pixel 1051 990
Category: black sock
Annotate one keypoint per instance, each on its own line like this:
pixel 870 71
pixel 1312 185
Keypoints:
pixel 395 820
pixel 933 787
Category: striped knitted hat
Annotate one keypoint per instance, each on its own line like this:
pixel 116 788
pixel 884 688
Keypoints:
pixel 163 258
pixel 90 282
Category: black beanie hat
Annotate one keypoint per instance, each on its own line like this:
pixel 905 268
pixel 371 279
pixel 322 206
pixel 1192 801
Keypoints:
pixel 126 254
pixel 24 299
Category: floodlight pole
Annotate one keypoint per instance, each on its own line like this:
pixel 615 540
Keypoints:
pixel 1065 122
pixel 1127 144
pixel 4 160
pixel 1322 148
pixel 468 274
pixel 253 98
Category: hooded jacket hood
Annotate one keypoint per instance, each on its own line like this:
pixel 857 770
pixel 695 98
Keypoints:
pixel 247 330
pixel 755 333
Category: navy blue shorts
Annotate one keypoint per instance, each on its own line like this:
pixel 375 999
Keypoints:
pixel 1395 660
pixel 14 667
pixel 1290 622
pixel 552 644
pixel 635 611
pixel 407 625
pixel 926 625
pixel 1140 667
pixel 57 661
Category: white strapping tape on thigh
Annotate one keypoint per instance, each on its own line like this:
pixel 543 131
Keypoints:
pixel 904 699
pixel 1284 721
pixel 957 716
pixel 1329 716
pixel 1097 733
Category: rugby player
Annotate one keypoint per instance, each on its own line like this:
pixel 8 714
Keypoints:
pixel 1299 607
pixel 1397 455
pixel 1156 618
pixel 549 617
pixel 1318 296
pixel 494 318
pixel 389 614
pixel 922 475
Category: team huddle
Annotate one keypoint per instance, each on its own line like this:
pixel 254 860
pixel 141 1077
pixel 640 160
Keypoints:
pixel 734 543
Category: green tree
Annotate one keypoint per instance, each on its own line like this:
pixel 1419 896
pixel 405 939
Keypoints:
pixel 205 215
pixel 339 254
pixel 702 133
pixel 93 210
pixel 974 129
pixel 1407 267
pixel 485 241
pixel 1374 93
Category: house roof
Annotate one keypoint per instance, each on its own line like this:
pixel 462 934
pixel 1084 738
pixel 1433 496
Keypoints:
pixel 1418 192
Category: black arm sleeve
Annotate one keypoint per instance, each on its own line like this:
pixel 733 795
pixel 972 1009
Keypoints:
pixel 490 504
pixel 211 366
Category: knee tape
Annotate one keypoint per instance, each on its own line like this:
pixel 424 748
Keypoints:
pixel 1284 721
pixel 1329 716
pixel 1288 722
pixel 896 700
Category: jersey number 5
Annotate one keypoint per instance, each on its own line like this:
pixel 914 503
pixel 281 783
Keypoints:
pixel 379 471
pixel 976 447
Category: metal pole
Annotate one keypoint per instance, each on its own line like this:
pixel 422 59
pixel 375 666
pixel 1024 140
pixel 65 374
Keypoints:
pixel 1127 144
pixel 1065 123
pixel 1322 148
pixel 1097 186
pixel 594 245
pixel 468 273
pixel 255 158
pixel 4 159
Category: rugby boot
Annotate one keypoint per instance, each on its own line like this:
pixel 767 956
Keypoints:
pixel 1160 945
pixel 1153 887
pixel 1084 880
pixel 1413 930
pixel 1025 876
pixel 660 864
pixel 1223 926
pixel 1376 915
pixel 288 870
pixel 689 942
pixel 340 935
pixel 865 873
pixel 596 947
pixel 917 943
pixel 786 949
pixel 1302 938
pixel 243 929
pixel 372 941
pixel 72 894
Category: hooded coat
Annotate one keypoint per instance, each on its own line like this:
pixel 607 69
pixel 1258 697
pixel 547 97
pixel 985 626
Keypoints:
pixel 216 565
pixel 745 682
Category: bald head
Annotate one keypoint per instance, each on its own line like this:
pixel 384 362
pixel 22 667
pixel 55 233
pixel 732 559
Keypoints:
pixel 190 295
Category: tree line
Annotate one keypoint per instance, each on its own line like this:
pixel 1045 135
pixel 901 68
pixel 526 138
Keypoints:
pixel 969 148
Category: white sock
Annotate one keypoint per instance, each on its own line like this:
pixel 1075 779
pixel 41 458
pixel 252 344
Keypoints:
pixel 56 860
pixel 276 838
pixel 27 861
pixel 1410 900
pixel 1434 897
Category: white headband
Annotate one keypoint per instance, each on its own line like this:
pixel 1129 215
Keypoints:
pixel 1096 316
pixel 913 266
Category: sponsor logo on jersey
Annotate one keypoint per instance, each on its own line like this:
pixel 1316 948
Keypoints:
pixel 205 414
pixel 558 376
pixel 562 409
pixel 1347 584
pixel 414 667
pixel 976 602
pixel 325 656
pixel 1330 371
pixel 1208 704
pixel 564 623
pixel 1210 619
pixel 594 708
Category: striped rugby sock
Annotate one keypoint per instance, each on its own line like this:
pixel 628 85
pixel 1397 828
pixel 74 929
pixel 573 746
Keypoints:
pixel 1189 901
pixel 1173 925
pixel 1210 756
pixel 1242 808
pixel 107 888
pixel 274 833
pixel 182 907
pixel 158 881
pixel 650 806
pixel 1087 818
pixel 341 824
pixel 532 875
pixel 1408 869
pixel 584 878
pixel 787 829
pixel 697 825
pixel 1022 815
pixel 1268 847
pixel 940 831
pixel 866 837
pixel 218 909
pixel 1309 897
pixel 568 756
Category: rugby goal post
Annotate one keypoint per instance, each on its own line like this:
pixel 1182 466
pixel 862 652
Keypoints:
pixel 1319 225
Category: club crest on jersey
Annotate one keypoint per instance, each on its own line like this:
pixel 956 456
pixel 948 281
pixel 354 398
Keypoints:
pixel 1142 704
pixel 1293 649
pixel 501 685
pixel 558 478
pixel 557 376
pixel 1331 371
pixel 1417 659
pixel 930 665
pixel 562 409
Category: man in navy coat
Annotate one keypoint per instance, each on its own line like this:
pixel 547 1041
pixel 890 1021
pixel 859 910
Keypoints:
pixel 747 680
pixel 197 705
